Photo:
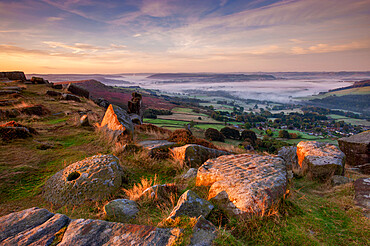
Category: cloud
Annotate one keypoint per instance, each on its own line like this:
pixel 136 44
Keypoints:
pixel 326 48
pixel 52 19
pixel 137 35
pixel 77 47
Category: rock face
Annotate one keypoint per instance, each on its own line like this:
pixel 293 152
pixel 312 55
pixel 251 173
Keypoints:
pixel 249 182
pixel 77 90
pixel 117 123
pixel 70 97
pixel 155 146
pixel 194 155
pixel 204 232
pixel 357 151
pixel 93 178
pixel 32 226
pixel 289 155
pixel 121 210
pixel 319 160
pixel 340 180
pixel 362 194
pixel 135 106
pixel 36 226
pixel 190 204
pixel 13 75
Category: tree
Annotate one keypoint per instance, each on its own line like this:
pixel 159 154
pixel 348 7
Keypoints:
pixel 284 134
pixel 214 135
pixel 230 133
pixel 269 132
pixel 249 134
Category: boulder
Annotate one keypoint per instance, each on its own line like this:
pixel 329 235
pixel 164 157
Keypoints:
pixel 16 75
pixel 250 183
pixel 357 151
pixel 102 102
pixel 36 226
pixel 319 160
pixel 194 155
pixel 191 205
pixel 84 120
pixel 38 110
pixel 191 173
pixel 93 178
pixel 135 106
pixel 121 210
pixel 156 146
pixel 117 123
pixel 70 97
pixel 204 232
pixel 57 86
pixel 157 191
pixel 13 130
pixel 54 93
pixel 77 90
pixel 136 119
pixel 289 155
pixel 340 180
pixel 39 80
pixel 98 232
pixel 362 197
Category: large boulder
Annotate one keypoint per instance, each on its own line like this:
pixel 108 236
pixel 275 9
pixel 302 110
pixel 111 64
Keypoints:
pixel 121 210
pixel 194 155
pixel 248 183
pixel 204 232
pixel 32 226
pixel 190 204
pixel 117 123
pixel 16 75
pixel 362 197
pixel 357 151
pixel 13 130
pixel 78 90
pixel 156 146
pixel 36 226
pixel 319 160
pixel 289 155
pixel 93 178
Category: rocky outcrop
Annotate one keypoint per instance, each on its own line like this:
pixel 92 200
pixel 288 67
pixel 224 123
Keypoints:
pixel 194 155
pixel 36 226
pixel 39 80
pixel 319 160
pixel 155 146
pixel 135 106
pixel 77 90
pixel 13 130
pixel 289 155
pixel 357 151
pixel 70 97
pixel 204 232
pixel 13 75
pixel 362 195
pixel 117 124
pixel 32 226
pixel 93 178
pixel 190 204
pixel 121 210
pixel 248 183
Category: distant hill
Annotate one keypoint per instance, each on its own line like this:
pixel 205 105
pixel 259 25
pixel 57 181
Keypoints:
pixel 363 83
pixel 120 96
pixel 212 77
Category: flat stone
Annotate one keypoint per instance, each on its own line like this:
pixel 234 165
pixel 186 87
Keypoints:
pixel 156 145
pixel 204 232
pixel 93 178
pixel 362 195
pixel 190 204
pixel 319 160
pixel 194 155
pixel 357 151
pixel 340 180
pixel 250 182
pixel 98 232
pixel 121 210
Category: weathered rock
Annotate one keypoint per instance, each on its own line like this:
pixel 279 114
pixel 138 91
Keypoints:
pixel 98 232
pixel 289 155
pixel 93 178
pixel 121 210
pixel 135 107
pixel 191 173
pixel 43 234
pixel 357 151
pixel 117 123
pixel 362 194
pixel 190 204
pixel 57 86
pixel 54 93
pixel 340 180
pixel 84 120
pixel 194 155
pixel 157 191
pixel 319 160
pixel 136 119
pixel 251 182
pixel 102 102
pixel 15 223
pixel 7 92
pixel 223 202
pixel 36 226
pixel 39 80
pixel 204 232
pixel 38 110
pixel 15 75
pixel 13 130
pixel 70 97
pixel 77 90
pixel 155 146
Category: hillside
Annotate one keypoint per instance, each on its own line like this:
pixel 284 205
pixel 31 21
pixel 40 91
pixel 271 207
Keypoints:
pixel 299 211
pixel 358 84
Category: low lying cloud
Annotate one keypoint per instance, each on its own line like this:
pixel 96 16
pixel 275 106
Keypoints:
pixel 326 48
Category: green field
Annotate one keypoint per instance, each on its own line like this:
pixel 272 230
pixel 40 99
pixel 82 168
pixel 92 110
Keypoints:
pixel 351 121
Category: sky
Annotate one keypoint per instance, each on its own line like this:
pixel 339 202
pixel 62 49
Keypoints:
pixel 133 36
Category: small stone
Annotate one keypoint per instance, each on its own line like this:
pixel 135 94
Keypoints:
pixel 191 173
pixel 84 120
pixel 340 180
pixel 204 232
pixel 190 204
pixel 121 210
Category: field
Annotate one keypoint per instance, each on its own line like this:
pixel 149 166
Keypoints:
pixel 349 120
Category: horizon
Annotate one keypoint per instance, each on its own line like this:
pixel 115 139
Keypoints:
pixel 171 36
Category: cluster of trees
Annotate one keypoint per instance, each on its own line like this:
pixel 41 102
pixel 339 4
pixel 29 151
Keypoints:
pixel 152 113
